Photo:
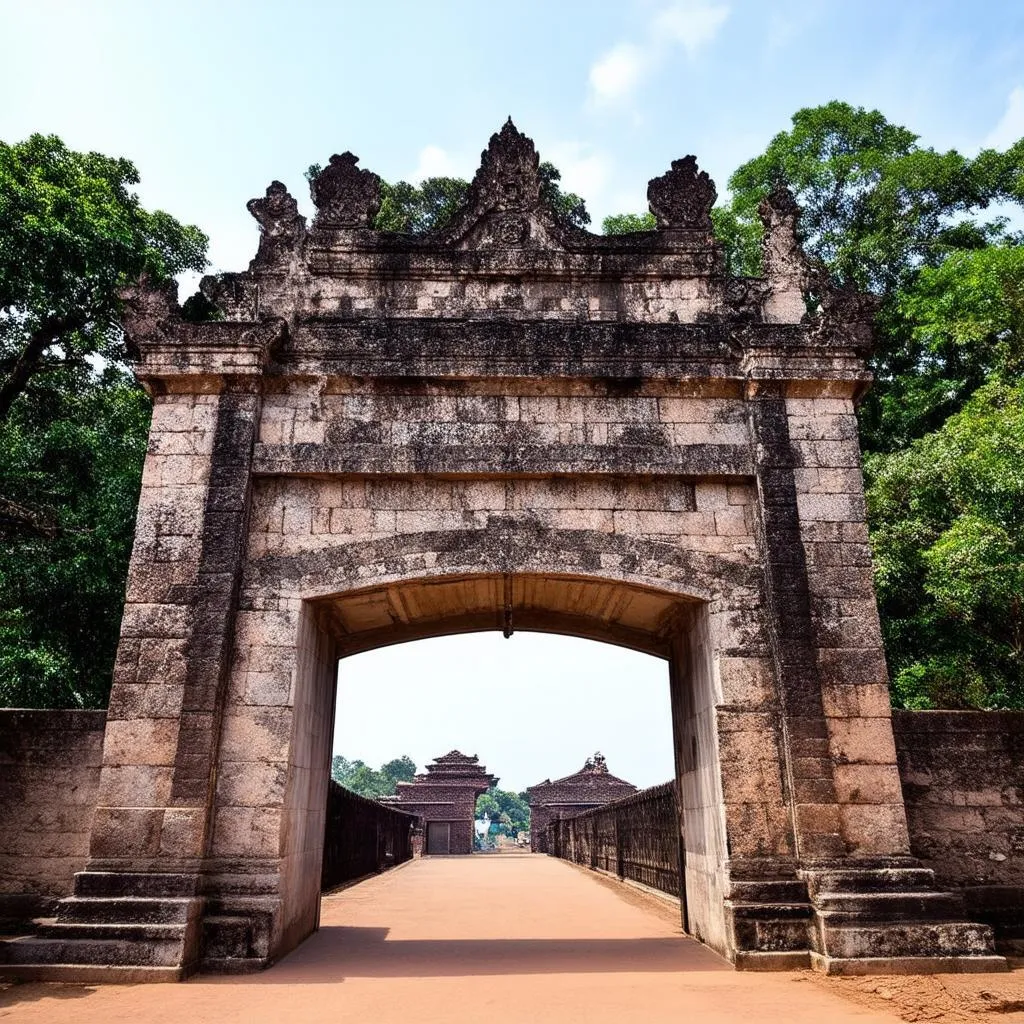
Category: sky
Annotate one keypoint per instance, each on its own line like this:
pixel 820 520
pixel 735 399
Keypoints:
pixel 214 100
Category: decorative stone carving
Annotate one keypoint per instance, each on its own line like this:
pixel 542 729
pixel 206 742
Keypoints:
pixel 682 197
pixel 508 178
pixel 845 315
pixel 236 296
pixel 504 207
pixel 785 267
pixel 281 224
pixel 345 195
pixel 149 309
pixel 744 297
pixel 796 285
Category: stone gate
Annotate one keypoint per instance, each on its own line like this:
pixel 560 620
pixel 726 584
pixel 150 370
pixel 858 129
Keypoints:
pixel 505 424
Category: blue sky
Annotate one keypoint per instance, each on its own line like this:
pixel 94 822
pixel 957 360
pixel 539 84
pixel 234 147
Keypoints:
pixel 213 100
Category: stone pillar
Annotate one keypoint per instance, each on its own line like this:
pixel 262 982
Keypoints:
pixel 812 794
pixel 152 829
pixel 845 634
pixel 160 750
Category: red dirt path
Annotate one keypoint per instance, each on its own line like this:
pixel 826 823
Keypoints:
pixel 465 940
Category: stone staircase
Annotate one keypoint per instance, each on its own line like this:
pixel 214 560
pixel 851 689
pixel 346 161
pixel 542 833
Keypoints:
pixel 893 920
pixel 116 927
pixel 770 920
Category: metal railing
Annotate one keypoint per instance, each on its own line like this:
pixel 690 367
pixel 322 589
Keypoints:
pixel 362 837
pixel 637 837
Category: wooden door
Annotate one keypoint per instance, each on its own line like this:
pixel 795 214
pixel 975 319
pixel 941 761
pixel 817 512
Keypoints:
pixel 437 836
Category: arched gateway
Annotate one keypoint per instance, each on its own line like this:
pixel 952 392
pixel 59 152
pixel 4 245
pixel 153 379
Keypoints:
pixel 507 424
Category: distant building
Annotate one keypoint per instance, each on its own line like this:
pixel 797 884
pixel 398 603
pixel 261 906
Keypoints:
pixel 592 786
pixel 444 797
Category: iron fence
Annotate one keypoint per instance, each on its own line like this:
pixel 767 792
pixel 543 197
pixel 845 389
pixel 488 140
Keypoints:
pixel 362 836
pixel 637 837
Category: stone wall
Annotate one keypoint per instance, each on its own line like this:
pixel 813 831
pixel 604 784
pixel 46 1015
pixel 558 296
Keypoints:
pixel 49 775
pixel 963 784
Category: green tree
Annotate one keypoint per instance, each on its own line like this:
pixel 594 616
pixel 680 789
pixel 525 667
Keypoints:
pixel 71 453
pixel 418 209
pixel 73 423
pixel 875 205
pixel 510 810
pixel 878 211
pixel 628 223
pixel 72 232
pixel 360 778
pixel 401 769
pixel 947 518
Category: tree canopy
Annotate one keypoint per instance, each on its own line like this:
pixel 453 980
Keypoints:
pixel 73 422
pixel 72 233
pixel 509 811
pixel 360 778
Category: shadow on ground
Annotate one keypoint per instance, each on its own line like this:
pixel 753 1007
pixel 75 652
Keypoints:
pixel 340 951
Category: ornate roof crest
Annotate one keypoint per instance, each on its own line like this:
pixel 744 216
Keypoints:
pixel 281 224
pixel 504 206
pixel 345 196
pixel 508 177
pixel 682 197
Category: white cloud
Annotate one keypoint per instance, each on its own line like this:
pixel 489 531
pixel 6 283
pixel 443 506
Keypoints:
pixel 689 24
pixel 435 162
pixel 1011 125
pixel 692 25
pixel 618 72
pixel 585 170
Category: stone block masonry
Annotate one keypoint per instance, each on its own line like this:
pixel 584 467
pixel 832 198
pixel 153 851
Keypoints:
pixel 963 786
pixel 505 424
pixel 49 779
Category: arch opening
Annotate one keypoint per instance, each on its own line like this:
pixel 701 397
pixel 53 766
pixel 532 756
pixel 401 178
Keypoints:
pixel 629 615
pixel 662 623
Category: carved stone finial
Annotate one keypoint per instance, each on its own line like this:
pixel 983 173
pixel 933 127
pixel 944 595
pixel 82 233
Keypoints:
pixel 146 308
pixel 784 264
pixel 781 251
pixel 504 208
pixel 281 224
pixel 682 197
pixel 345 196
pixel 508 178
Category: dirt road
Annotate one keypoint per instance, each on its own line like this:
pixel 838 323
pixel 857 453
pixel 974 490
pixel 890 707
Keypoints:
pixel 465 940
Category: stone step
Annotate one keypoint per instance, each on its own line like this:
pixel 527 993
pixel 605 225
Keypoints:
pixel 763 911
pixel 122 909
pixel 891 906
pixel 134 932
pixel 787 890
pixel 906 939
pixel 865 880
pixel 146 884
pixel 91 974
pixel 860 966
pixel 100 952
pixel 226 937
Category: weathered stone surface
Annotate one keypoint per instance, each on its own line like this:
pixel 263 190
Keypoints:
pixel 506 424
pixel 49 775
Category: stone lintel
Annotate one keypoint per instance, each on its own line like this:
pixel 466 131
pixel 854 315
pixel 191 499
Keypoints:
pixel 699 460
pixel 208 356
